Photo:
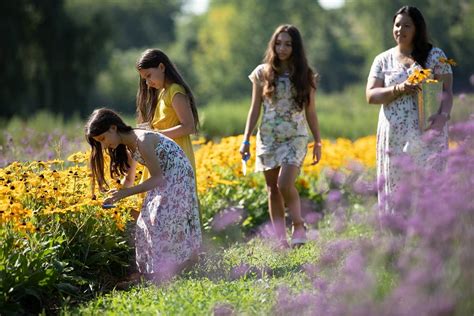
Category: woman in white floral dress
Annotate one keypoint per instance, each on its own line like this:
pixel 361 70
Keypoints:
pixel 168 233
pixel 398 133
pixel 285 85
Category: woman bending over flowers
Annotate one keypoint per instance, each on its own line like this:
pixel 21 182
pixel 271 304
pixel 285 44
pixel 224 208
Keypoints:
pixel 168 233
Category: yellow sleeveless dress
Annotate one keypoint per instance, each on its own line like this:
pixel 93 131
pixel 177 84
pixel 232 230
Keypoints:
pixel 165 117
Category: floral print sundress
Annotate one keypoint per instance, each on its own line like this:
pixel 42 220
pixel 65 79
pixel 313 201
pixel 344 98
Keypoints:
pixel 282 136
pixel 398 133
pixel 168 231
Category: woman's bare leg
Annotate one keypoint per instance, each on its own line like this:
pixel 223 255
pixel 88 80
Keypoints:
pixel 276 206
pixel 291 197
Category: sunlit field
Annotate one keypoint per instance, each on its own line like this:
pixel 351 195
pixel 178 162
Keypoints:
pixel 62 253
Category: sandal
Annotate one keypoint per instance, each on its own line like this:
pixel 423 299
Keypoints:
pixel 299 236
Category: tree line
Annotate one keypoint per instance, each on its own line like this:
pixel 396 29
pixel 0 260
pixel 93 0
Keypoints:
pixel 69 56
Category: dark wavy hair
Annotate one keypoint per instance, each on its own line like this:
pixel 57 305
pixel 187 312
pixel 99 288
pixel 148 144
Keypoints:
pixel 99 122
pixel 147 96
pixel 421 44
pixel 301 75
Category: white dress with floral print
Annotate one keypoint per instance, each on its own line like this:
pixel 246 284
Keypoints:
pixel 168 230
pixel 282 137
pixel 398 133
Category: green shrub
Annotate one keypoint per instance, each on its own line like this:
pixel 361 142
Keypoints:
pixel 71 256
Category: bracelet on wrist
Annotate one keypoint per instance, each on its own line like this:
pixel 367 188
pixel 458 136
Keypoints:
pixel 246 142
pixel 318 144
pixel 396 91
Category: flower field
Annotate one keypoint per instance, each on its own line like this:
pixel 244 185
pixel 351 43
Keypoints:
pixel 43 188
pixel 60 248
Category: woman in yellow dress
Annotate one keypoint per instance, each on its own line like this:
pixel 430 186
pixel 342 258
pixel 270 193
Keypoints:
pixel 165 101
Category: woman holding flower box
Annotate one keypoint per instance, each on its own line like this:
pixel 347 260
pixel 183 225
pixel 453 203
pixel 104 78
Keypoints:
pixel 389 84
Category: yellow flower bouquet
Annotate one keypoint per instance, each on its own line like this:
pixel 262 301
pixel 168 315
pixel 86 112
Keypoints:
pixel 429 97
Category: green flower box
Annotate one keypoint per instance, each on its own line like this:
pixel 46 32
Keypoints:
pixel 429 102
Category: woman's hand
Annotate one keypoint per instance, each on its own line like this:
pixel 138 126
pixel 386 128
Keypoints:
pixel 116 195
pixel 245 151
pixel 438 121
pixel 407 88
pixel 316 153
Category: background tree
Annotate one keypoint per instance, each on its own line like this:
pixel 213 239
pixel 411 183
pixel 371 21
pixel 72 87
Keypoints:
pixel 450 26
pixel 69 56
pixel 233 38
pixel 135 25
pixel 48 61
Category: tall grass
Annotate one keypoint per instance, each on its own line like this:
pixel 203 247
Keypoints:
pixel 43 136
pixel 344 114
pixel 46 136
pixel 224 118
pixel 340 115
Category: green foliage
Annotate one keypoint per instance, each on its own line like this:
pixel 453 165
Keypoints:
pixel 344 114
pixel 180 50
pixel 134 23
pixel 233 38
pixel 224 118
pixel 69 257
pixel 334 112
pixel 42 136
pixel 70 56
pixel 50 59
pixel 249 197
pixel 243 278
pixel 117 83
pixel 30 270
pixel 187 297
pixel 450 27
pixel 97 250
pixel 45 122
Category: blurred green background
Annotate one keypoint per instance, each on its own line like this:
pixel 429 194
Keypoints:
pixel 67 57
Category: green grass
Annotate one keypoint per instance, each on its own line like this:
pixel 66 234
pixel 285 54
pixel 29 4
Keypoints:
pixel 224 118
pixel 213 284
pixel 189 297
pixel 47 123
pixel 43 122
pixel 340 115
pixel 345 114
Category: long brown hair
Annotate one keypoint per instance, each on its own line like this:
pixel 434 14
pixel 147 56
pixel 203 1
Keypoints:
pixel 301 75
pixel 99 122
pixel 147 97
pixel 421 45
